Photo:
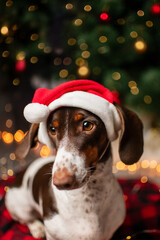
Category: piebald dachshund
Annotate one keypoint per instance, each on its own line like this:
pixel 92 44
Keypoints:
pixel 74 195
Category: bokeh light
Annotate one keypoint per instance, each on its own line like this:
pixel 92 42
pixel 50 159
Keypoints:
pixel 104 16
pixel 19 135
pixel 7 137
pixel 45 151
pixel 4 30
pixel 83 71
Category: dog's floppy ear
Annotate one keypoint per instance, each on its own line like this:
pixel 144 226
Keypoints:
pixel 131 138
pixel 28 142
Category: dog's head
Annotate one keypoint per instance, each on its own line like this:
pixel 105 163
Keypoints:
pixel 79 120
pixel 80 138
pixel 81 141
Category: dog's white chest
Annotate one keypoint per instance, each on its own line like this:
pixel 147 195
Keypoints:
pixel 70 226
pixel 87 215
pixel 76 219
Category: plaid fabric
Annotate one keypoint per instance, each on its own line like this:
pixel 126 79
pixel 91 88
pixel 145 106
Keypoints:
pixel 142 220
pixel 143 211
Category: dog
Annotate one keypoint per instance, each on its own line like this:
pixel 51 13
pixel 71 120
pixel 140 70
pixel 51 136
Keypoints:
pixel 74 194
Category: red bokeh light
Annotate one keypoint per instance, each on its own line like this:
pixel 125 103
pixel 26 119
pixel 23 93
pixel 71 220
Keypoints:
pixel 104 16
pixel 155 9
pixel 20 65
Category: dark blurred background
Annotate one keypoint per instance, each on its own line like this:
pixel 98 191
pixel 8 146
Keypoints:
pixel 44 43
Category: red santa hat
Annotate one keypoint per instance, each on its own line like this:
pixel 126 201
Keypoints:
pixel 85 94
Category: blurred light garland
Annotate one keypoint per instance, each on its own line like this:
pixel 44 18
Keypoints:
pixel 145 169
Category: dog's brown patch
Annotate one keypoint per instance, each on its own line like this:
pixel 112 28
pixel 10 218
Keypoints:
pixel 42 189
pixel 78 117
pixel 91 154
pixel 87 200
pixel 74 167
pixel 103 139
pixel 19 178
pixel 55 123
pixel 87 211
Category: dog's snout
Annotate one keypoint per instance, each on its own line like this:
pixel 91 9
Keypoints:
pixel 63 179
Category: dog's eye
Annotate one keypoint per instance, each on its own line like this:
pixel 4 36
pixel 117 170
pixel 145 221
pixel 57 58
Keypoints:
pixel 87 126
pixel 53 130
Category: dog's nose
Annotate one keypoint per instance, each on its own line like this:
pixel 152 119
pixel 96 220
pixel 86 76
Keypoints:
pixel 63 179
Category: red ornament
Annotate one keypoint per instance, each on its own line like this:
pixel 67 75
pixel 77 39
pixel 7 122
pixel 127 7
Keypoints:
pixel 155 9
pixel 20 65
pixel 104 16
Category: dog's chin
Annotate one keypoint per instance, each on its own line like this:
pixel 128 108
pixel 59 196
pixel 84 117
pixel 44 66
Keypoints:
pixel 66 187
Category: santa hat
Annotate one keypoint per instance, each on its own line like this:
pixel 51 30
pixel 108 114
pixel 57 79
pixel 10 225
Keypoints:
pixel 85 94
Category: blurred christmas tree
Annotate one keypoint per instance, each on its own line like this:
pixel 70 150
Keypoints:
pixel 114 42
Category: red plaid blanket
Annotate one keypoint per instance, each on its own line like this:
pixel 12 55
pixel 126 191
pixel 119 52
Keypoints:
pixel 142 221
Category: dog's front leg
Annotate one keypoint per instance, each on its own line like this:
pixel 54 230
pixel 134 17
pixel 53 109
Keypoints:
pixel 37 229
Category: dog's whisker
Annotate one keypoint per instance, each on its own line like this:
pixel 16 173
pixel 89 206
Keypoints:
pixel 47 174
pixel 90 167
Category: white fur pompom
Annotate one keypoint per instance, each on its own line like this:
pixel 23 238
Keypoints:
pixel 36 112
